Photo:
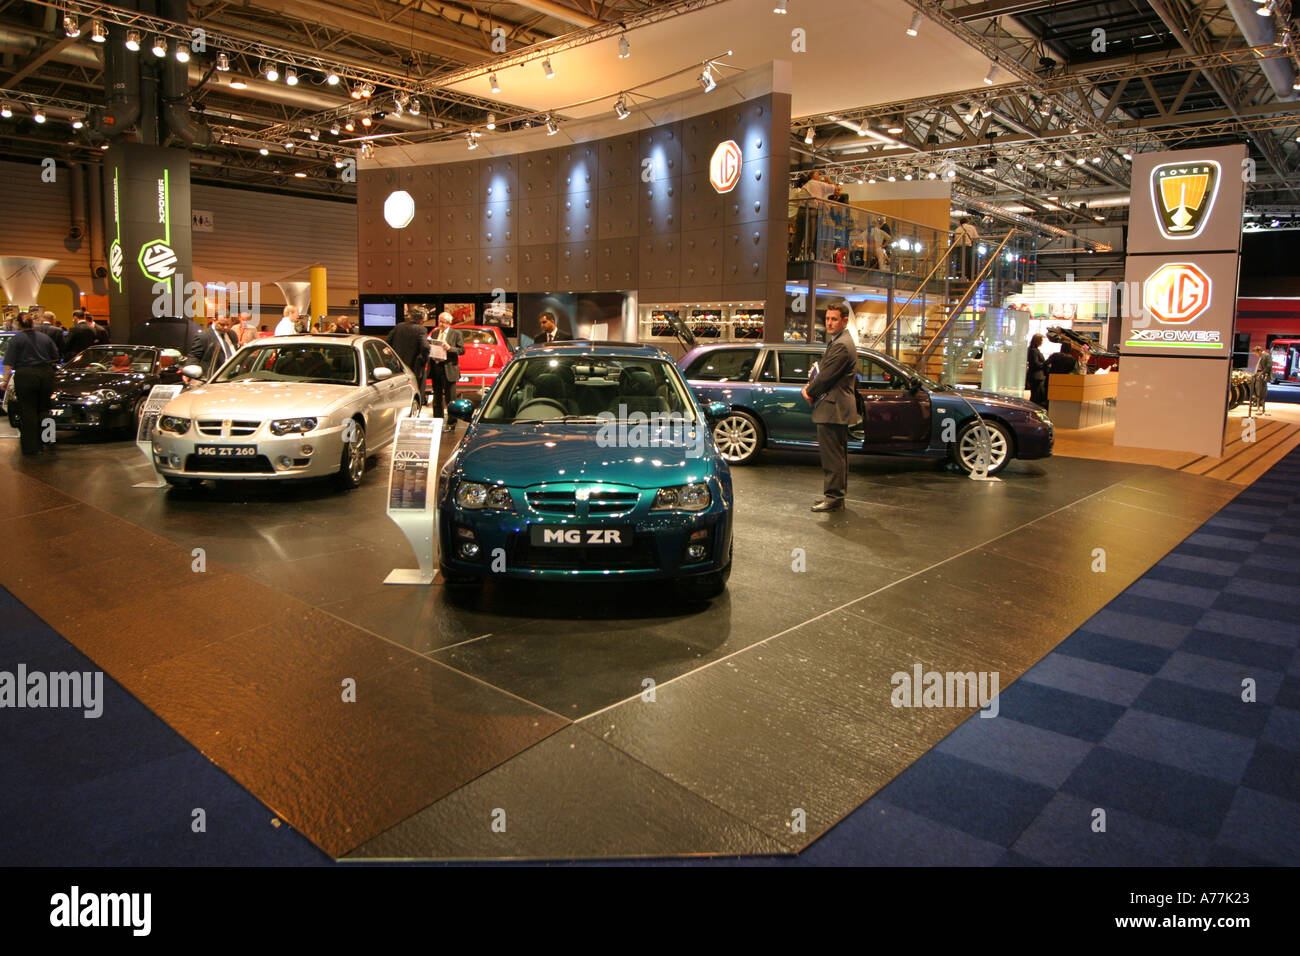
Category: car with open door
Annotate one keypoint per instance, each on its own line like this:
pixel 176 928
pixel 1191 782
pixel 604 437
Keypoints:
pixel 907 413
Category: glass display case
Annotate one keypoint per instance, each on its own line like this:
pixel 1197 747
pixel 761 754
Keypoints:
pixel 709 322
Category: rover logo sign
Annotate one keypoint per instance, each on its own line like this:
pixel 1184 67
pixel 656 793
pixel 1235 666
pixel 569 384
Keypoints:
pixel 724 167
pixel 1183 195
pixel 399 209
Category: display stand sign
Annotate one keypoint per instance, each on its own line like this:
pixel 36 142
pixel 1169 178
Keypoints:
pixel 413 495
pixel 158 398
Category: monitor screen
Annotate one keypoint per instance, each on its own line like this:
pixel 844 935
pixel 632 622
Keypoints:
pixel 379 314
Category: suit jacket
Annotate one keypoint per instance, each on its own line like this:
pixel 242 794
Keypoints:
pixel 833 390
pixel 102 336
pixel 454 343
pixel 81 336
pixel 407 340
pixel 560 336
pixel 1036 370
pixel 207 352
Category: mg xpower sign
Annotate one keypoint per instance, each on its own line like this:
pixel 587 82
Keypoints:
pixel 150 252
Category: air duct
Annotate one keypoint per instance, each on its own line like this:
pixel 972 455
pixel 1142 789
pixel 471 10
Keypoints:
pixel 122 77
pixel 98 260
pixel 175 87
pixel 1261 32
pixel 297 294
pixel 77 186
pixel 21 278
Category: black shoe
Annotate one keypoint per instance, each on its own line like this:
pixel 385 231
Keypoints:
pixel 829 504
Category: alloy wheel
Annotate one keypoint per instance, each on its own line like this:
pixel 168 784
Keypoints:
pixel 998 448
pixel 736 438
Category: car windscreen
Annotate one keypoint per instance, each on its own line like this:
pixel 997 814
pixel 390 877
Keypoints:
pixel 478 337
pixel 575 387
pixel 326 364
pixel 114 358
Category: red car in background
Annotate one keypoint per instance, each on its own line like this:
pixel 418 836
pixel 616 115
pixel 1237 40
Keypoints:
pixel 1286 361
pixel 486 352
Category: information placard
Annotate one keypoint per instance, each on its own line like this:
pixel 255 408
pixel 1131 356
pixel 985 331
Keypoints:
pixel 412 494
pixel 153 405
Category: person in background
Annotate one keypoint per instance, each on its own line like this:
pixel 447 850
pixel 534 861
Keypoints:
pixel 832 393
pixel 80 336
pixel 1263 377
pixel 1036 373
pixel 213 346
pixel 49 325
pixel 445 373
pixel 102 336
pixel 964 239
pixel 246 330
pixel 345 324
pixel 288 325
pixel 408 341
pixel 550 331
pixel 29 361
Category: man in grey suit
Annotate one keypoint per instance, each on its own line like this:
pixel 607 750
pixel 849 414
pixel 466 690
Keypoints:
pixel 833 395
pixel 445 372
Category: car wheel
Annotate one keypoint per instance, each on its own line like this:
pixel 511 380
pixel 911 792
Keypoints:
pixel 352 461
pixel 965 451
pixel 415 406
pixel 739 437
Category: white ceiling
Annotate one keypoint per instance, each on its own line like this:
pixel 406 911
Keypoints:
pixel 858 54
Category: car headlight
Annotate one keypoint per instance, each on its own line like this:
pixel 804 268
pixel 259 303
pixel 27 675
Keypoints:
pixel 692 497
pixel 170 423
pixel 101 395
pixel 1041 415
pixel 475 495
pixel 292 426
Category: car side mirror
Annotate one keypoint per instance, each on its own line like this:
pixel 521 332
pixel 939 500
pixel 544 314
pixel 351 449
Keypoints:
pixel 382 373
pixel 193 371
pixel 715 412
pixel 461 409
pixel 914 384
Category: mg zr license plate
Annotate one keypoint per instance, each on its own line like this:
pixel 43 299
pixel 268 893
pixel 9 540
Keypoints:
pixel 562 536
pixel 226 451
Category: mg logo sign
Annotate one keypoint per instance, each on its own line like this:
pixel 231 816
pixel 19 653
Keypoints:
pixel 1177 293
pixel 724 167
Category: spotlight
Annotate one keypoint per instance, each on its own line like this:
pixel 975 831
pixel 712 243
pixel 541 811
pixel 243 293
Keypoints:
pixel 546 68
pixel 1039 165
pixel 1096 159
pixel 238 83
pixel 896 126
pixel 863 128
pixel 300 175
pixel 338 164
pixel 780 7
pixel 624 48
pixel 1128 156
pixel 932 175
pixel 1266 10
pixel 223 63
pixel 159 48
pixel 350 126
pixel 1058 161
pixel 1100 218
pixel 265 151
pixel 992 73
pixel 332 78
pixel 492 82
pixel 78 122
pixel 1283 40
pixel 38 115
pixel 552 127
pixel 6 110
pixel 491 121
pixel 367 151
pixel 290 146
pixel 908 177
pixel 71 26
pixel 915 26
pixel 809 135
pixel 621 109
pixel 366 121
pixel 98 32
pixel 182 54
pixel 470 141
pixel 871 181
pixel 1082 161
pixel 313 135
pixel 706 79
pixel 133 40
pixel 334 130
pixel 952 172
pixel 270 72
pixel 104 146
pixel 1020 166
pixel 893 179
pixel 362 91
pixel 990 163
pixel 290 76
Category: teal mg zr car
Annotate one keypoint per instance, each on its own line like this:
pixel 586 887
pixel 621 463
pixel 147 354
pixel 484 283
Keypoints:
pixel 588 461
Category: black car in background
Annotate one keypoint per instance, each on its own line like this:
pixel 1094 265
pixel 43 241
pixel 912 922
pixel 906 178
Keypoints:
pixel 101 388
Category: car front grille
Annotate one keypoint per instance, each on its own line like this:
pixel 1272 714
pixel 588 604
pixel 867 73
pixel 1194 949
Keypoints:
pixel 237 428
pixel 258 465
pixel 605 502
pixel 641 555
